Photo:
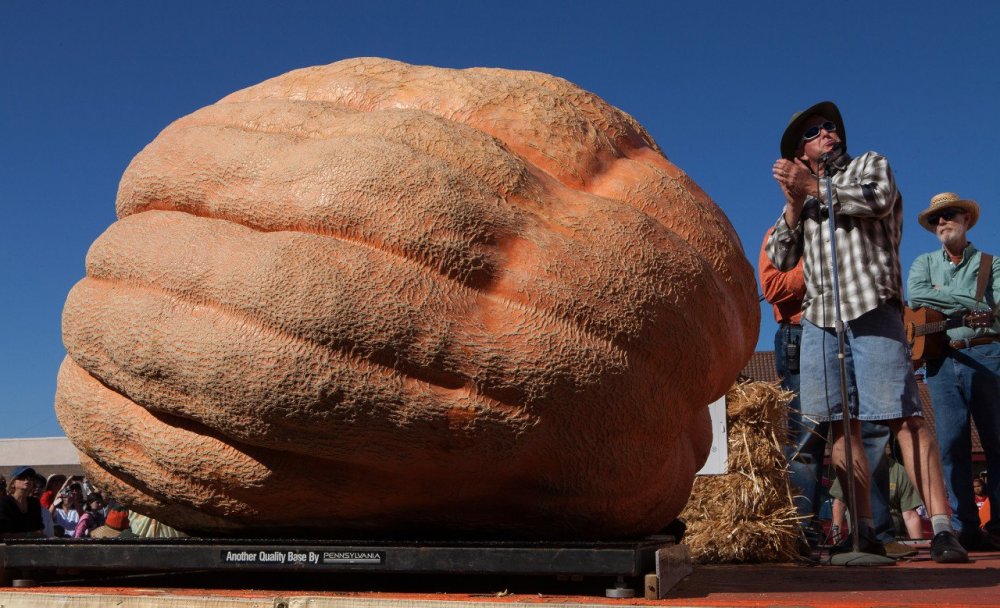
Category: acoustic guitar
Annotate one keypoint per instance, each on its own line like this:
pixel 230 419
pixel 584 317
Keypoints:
pixel 925 329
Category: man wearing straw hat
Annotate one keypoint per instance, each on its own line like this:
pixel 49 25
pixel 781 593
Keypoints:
pixel 869 221
pixel 965 381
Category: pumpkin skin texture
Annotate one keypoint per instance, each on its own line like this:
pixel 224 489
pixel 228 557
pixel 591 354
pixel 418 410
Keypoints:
pixel 373 299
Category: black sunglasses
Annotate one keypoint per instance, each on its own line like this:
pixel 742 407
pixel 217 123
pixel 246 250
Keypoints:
pixel 813 132
pixel 948 214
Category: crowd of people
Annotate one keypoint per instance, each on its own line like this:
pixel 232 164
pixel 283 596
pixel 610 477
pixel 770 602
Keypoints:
pixel 830 266
pixel 32 506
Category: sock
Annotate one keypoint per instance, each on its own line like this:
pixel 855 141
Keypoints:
pixel 941 523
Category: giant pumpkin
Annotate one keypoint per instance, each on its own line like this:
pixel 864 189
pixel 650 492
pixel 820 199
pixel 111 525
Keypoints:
pixel 371 298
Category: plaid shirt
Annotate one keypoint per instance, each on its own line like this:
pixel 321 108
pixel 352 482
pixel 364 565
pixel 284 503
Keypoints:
pixel 869 212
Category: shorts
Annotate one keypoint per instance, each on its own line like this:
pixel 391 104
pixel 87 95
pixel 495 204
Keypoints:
pixel 880 383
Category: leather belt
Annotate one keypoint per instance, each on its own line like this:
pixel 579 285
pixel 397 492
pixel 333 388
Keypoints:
pixel 969 342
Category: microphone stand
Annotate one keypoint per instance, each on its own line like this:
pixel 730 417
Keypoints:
pixel 855 557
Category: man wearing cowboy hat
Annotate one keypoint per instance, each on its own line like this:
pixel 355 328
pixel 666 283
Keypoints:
pixel 966 380
pixel 869 224
pixel 807 439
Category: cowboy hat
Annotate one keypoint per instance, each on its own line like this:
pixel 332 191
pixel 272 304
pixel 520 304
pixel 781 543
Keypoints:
pixel 948 200
pixel 792 137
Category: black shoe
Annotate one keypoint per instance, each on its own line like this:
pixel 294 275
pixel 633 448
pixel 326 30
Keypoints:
pixel 866 544
pixel 945 549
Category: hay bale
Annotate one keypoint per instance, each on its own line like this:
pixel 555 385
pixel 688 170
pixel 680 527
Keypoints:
pixel 747 515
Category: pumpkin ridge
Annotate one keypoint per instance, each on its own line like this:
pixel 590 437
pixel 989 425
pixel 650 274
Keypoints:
pixel 406 373
pixel 119 483
pixel 398 133
pixel 232 503
pixel 243 443
pixel 138 450
pixel 480 91
pixel 479 280
pixel 604 336
pixel 303 228
pixel 172 394
pixel 518 198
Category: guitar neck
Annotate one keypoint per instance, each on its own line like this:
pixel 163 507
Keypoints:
pixel 937 326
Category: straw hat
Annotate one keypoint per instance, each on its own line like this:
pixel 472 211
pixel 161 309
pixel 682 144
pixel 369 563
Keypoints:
pixel 791 138
pixel 947 200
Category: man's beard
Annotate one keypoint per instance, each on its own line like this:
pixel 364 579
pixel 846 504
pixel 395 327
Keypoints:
pixel 954 237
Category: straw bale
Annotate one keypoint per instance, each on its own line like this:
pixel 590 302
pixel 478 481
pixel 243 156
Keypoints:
pixel 747 515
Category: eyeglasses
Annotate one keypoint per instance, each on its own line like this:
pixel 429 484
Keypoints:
pixel 813 132
pixel 947 214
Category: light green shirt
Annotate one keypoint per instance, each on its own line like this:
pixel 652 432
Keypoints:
pixel 955 290
pixel 902 495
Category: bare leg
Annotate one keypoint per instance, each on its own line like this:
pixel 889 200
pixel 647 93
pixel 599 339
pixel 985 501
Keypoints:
pixel 862 479
pixel 922 462
pixel 839 509
pixel 914 525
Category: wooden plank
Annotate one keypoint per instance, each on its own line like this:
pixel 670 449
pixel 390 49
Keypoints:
pixel 672 564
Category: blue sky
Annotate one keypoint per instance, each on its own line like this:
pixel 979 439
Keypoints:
pixel 85 85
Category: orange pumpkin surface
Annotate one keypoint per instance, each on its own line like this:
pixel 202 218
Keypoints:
pixel 371 298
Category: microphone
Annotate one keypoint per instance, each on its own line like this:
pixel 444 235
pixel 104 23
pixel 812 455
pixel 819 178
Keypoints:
pixel 832 154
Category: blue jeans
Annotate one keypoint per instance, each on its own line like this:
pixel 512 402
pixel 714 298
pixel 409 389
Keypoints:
pixel 807 444
pixel 966 383
pixel 880 384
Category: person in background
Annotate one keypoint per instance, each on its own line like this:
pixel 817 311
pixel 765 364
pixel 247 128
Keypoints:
pixel 984 509
pixel 68 508
pixel 147 527
pixel 903 504
pixel 54 483
pixel 92 517
pixel 979 492
pixel 20 512
pixel 861 193
pixel 965 382
pixel 46 514
pixel 115 526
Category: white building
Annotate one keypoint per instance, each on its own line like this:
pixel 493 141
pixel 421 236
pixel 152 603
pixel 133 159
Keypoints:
pixel 47 455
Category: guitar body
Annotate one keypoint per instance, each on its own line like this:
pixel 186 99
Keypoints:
pixel 924 345
pixel 925 327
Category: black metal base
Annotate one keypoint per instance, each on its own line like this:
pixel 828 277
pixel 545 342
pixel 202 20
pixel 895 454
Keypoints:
pixel 618 559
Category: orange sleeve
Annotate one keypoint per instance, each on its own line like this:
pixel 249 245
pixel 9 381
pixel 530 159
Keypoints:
pixel 784 290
